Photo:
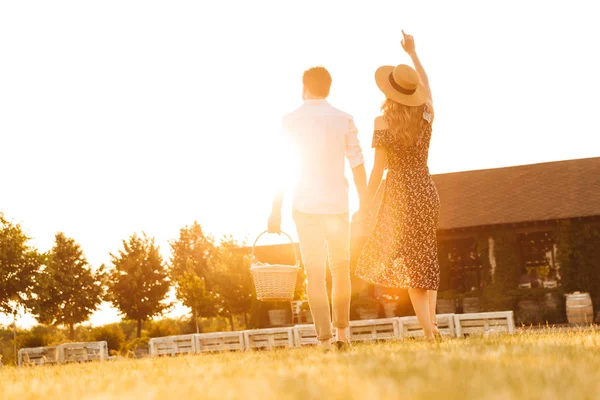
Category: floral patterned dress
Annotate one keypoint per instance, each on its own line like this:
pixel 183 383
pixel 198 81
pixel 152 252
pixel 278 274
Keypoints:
pixel 402 249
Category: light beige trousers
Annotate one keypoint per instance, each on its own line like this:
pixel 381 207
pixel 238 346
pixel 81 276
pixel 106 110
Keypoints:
pixel 322 236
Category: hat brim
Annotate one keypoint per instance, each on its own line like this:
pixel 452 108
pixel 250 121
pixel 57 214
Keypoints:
pixel 382 78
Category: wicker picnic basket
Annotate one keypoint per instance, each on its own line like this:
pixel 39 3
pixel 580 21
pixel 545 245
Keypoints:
pixel 274 282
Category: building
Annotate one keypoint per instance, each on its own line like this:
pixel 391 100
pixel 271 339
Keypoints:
pixel 526 201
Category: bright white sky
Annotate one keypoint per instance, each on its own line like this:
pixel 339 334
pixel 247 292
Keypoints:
pixel 125 116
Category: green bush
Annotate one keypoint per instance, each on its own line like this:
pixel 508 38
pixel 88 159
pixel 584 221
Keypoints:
pixel 163 327
pixel 112 334
pixel 129 328
pixel 30 340
pixel 549 303
pixel 130 348
pixel 494 298
pixel 546 299
pixel 41 335
pixel 6 345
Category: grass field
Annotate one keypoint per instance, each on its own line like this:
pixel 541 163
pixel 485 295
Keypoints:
pixel 548 364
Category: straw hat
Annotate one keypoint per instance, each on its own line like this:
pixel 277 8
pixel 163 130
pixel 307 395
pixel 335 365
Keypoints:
pixel 401 84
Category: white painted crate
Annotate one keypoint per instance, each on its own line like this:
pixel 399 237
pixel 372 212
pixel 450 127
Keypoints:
pixel 172 345
pixel 374 329
pixel 269 338
pixel 410 326
pixel 83 352
pixel 305 335
pixel 38 356
pixel 219 341
pixel 499 321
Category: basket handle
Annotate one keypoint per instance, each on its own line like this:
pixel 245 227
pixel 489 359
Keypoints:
pixel 291 241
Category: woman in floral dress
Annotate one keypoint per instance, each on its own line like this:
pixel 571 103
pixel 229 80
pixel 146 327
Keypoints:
pixel 402 249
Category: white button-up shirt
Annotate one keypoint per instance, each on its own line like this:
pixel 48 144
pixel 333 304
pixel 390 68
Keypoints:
pixel 321 137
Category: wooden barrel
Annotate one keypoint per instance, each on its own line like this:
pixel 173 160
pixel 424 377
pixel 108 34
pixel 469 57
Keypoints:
pixel 579 308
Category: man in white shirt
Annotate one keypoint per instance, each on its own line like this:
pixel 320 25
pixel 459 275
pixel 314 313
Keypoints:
pixel 322 137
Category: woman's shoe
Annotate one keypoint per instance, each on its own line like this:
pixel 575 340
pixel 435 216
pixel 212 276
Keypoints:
pixel 436 333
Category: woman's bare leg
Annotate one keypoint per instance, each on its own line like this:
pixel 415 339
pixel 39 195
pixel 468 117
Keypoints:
pixel 420 302
pixel 432 295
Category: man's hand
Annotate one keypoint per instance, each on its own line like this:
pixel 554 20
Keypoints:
pixel 362 223
pixel 408 44
pixel 274 225
pixel 362 216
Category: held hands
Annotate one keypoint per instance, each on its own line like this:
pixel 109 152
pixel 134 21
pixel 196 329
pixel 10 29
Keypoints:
pixel 362 223
pixel 362 216
pixel 408 43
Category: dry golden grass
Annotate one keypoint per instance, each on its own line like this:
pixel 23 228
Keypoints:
pixel 550 364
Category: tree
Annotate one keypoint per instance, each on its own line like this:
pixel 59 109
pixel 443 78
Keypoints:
pixel 191 290
pixel 139 283
pixel 233 281
pixel 192 246
pixel 67 290
pixel 19 263
pixel 190 271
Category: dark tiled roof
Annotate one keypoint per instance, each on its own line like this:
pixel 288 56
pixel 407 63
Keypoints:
pixel 537 192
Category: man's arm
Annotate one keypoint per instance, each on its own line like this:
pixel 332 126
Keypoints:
pixel 360 180
pixel 357 163
pixel 274 224
pixel 282 158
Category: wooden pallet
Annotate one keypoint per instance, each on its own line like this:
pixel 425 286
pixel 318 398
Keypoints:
pixel 479 323
pixel 269 338
pixel 83 352
pixel 410 326
pixel 38 356
pixel 219 341
pixel 374 329
pixel 172 345
pixel 305 335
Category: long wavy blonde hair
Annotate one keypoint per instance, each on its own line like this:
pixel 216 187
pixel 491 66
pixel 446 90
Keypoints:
pixel 404 122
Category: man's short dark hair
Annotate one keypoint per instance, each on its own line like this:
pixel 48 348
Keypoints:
pixel 318 81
